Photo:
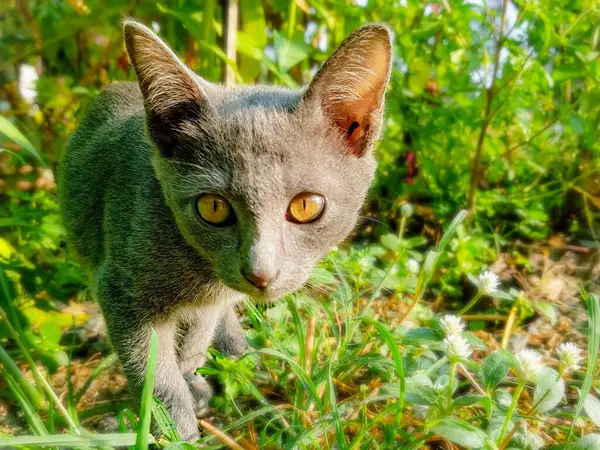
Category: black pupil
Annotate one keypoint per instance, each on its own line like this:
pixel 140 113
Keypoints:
pixel 303 203
pixel 215 206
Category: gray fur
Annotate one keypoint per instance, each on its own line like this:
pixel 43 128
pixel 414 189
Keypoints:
pixel 138 161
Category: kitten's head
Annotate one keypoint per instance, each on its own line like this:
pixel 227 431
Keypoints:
pixel 264 181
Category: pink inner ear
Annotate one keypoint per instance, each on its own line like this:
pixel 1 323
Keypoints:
pixel 354 120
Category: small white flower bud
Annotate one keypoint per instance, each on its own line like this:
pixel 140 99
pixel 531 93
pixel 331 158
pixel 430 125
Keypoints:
pixel 413 266
pixel 530 364
pixel 457 347
pixel 451 325
pixel 488 282
pixel 569 356
pixel 407 210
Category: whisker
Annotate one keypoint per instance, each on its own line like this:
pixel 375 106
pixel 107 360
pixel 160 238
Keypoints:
pixel 372 219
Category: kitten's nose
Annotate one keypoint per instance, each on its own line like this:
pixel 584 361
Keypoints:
pixel 260 280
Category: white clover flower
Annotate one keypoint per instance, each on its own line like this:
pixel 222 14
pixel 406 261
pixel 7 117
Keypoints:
pixel 488 282
pixel 530 364
pixel 413 266
pixel 570 356
pixel 457 347
pixel 407 210
pixel 451 325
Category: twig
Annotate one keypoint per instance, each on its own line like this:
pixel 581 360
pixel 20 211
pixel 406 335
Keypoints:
pixel 517 73
pixel 512 149
pixel 220 435
pixel 485 317
pixel 510 435
pixel 490 94
pixel 465 373
pixel 510 323
pixel 230 33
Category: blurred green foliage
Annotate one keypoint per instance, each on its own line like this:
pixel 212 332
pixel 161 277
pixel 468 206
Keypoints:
pixel 528 73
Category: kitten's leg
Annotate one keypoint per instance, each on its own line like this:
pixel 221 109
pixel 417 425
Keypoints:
pixel 200 331
pixel 131 337
pixel 230 337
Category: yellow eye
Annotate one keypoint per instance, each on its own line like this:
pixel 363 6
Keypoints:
pixel 306 207
pixel 214 209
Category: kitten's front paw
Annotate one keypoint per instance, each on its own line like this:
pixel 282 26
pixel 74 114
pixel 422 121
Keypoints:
pixel 201 392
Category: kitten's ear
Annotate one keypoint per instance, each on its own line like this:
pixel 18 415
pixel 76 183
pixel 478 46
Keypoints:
pixel 350 87
pixel 172 92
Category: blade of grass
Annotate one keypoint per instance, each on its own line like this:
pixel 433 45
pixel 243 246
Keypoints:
pixel 593 306
pixel 143 432
pixel 164 421
pixel 33 419
pixel 398 363
pixel 335 414
pixel 32 365
pixel 299 331
pixel 71 441
pixel 298 371
pixel 11 132
pixel 431 262
pixel 105 364
pixel 33 396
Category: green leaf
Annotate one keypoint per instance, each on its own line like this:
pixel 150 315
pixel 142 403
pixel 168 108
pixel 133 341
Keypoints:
pixel 460 432
pixel 390 241
pixel 420 391
pixel 253 34
pixel 495 368
pixel 589 442
pixel 323 276
pixel 11 132
pixel 426 31
pixel 576 123
pixel 421 336
pixel 468 400
pixel 419 71
pixel 563 73
pixel 501 295
pixel 289 53
pixel 474 341
pixel 548 310
pixel 549 390
pixel 591 405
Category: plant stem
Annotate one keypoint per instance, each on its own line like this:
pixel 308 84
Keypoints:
pixel 402 227
pixel 37 375
pixel 453 365
pixel 470 304
pixel 511 409
pixel 463 371
pixel 490 94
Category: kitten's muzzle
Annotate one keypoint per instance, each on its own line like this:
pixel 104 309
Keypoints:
pixel 259 279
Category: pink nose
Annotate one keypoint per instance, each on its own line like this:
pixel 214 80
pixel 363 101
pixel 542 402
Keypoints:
pixel 260 280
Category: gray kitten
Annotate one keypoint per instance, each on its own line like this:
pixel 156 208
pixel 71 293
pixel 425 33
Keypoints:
pixel 185 196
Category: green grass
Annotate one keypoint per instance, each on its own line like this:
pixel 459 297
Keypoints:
pixel 325 370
